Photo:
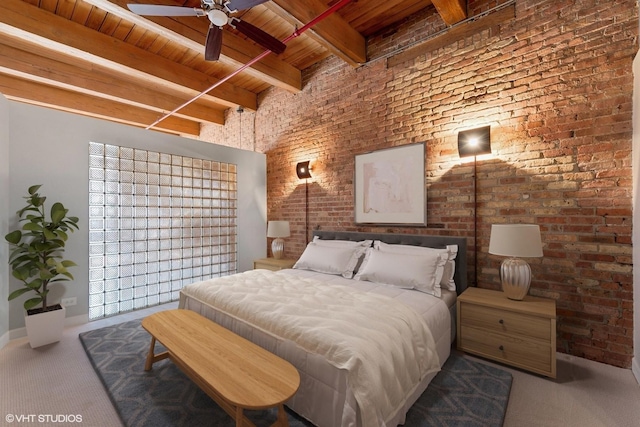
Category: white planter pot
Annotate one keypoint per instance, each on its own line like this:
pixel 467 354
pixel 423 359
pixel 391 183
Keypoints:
pixel 45 328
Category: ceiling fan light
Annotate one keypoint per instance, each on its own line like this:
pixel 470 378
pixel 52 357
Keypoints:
pixel 217 17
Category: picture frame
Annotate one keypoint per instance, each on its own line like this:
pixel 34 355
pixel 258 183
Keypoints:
pixel 389 186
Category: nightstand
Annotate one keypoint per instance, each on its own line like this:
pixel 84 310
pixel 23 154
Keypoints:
pixel 518 333
pixel 273 264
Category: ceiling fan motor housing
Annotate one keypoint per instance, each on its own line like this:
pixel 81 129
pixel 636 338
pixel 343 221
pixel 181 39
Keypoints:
pixel 217 17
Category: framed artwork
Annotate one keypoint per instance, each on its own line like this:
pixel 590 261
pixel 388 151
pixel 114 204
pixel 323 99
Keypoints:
pixel 389 186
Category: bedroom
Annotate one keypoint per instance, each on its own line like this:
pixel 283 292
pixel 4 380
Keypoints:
pixel 572 166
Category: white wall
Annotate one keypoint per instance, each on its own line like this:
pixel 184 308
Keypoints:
pixel 636 218
pixel 4 220
pixel 51 148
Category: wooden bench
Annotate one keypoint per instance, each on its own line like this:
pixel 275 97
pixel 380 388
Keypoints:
pixel 233 371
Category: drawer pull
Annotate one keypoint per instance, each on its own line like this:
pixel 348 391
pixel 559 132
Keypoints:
pixel 501 348
pixel 501 321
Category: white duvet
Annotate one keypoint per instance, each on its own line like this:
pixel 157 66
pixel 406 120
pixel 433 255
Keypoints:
pixel 385 347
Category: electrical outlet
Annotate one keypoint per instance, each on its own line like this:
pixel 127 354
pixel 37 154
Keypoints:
pixel 68 302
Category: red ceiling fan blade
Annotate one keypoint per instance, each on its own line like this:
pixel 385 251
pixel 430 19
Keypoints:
pixel 213 45
pixel 235 5
pixel 257 35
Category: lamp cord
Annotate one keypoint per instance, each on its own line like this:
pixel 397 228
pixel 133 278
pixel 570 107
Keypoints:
pixel 306 211
pixel 475 221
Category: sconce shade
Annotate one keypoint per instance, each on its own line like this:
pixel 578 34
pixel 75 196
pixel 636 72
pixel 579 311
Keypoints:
pixel 515 240
pixel 474 142
pixel 302 170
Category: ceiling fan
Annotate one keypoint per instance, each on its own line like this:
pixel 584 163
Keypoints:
pixel 218 13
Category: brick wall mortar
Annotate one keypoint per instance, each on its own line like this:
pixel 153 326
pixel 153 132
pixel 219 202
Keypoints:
pixel 555 84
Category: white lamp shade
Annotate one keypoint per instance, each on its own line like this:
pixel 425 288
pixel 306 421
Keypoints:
pixel 278 229
pixel 515 240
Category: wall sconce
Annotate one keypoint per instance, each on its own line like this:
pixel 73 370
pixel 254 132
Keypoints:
pixel 278 229
pixel 474 142
pixel 303 170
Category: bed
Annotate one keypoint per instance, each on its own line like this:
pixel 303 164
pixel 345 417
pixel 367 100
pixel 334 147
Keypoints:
pixel 337 297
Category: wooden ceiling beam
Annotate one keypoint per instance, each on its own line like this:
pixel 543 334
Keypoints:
pixel 333 32
pixel 236 51
pixel 91 79
pixel 52 97
pixel 22 20
pixel 451 11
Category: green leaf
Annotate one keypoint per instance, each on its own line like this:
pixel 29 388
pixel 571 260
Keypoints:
pixel 62 235
pixel 32 190
pixel 32 226
pixel 19 257
pixel 46 274
pixel 21 274
pixel 14 237
pixel 68 263
pixel 31 303
pixel 60 269
pixel 15 294
pixel 29 207
pixel 35 284
pixel 58 212
pixel 49 234
pixel 44 246
pixel 38 201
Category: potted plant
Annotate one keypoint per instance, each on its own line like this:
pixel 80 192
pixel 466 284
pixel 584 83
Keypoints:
pixel 36 260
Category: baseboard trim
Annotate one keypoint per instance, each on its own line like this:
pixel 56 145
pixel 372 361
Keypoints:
pixel 4 339
pixel 76 320
pixel 635 368
pixel 69 321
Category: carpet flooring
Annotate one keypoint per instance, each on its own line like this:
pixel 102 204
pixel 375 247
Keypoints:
pixel 465 393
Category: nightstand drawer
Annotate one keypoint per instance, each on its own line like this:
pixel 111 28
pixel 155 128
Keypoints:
pixel 517 351
pixel 273 264
pixel 496 320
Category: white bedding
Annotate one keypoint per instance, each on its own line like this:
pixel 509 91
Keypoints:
pixel 322 312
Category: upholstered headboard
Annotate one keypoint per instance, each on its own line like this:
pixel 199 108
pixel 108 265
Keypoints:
pixel 460 275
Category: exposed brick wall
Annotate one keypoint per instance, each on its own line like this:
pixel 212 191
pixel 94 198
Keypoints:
pixel 555 84
pixel 238 131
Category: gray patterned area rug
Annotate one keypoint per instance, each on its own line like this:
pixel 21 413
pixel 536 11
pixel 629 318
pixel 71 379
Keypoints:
pixel 465 393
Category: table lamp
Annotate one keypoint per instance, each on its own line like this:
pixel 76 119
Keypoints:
pixel 277 229
pixel 513 241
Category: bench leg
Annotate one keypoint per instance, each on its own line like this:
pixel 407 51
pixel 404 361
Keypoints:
pixel 153 358
pixel 149 362
pixel 239 417
pixel 282 421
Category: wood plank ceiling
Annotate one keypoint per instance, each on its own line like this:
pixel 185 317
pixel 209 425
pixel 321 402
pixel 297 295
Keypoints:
pixel 96 58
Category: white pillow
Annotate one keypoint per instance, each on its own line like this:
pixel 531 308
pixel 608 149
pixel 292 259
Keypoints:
pixel 422 272
pixel 330 259
pixel 451 252
pixel 343 243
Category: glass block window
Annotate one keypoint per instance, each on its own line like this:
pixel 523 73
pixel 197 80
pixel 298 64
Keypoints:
pixel 157 222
